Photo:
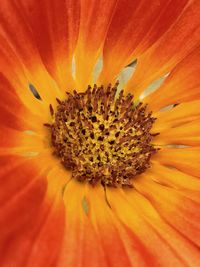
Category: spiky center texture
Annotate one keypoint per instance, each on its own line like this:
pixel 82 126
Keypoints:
pixel 103 137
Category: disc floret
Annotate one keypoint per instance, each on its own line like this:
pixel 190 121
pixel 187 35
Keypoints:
pixel 103 137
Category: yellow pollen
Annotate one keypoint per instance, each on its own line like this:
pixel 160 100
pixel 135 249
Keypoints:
pixel 102 136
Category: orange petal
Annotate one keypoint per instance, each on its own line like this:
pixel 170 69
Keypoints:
pixel 126 234
pixel 21 74
pixel 187 134
pixel 173 178
pixel 79 236
pixel 180 114
pixel 130 32
pixel 13 112
pixel 184 159
pixel 139 215
pixel 92 226
pixel 115 236
pixel 28 215
pixel 174 206
pixel 181 85
pixel 20 56
pixel 169 50
pixel 21 130
pixel 56 36
pixel 42 46
pixel 95 19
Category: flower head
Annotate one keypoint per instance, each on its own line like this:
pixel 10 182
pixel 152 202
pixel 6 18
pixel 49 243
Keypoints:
pixel 100 128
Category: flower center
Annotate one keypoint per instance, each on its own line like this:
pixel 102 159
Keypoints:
pixel 103 137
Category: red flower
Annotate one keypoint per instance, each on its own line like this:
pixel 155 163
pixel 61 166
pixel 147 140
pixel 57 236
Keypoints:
pixel 48 218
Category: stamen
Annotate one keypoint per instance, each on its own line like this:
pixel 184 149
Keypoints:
pixel 51 110
pixel 47 125
pixel 101 137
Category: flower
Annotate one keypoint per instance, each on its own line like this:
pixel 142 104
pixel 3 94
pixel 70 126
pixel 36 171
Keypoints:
pixel 48 218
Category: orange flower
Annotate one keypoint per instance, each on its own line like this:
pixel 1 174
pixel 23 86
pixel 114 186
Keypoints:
pixel 47 217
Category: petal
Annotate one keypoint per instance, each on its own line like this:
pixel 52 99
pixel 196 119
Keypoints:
pixel 131 32
pixel 93 232
pixel 180 114
pixel 181 85
pixel 187 134
pixel 13 79
pixel 19 52
pixel 28 214
pixel 174 206
pixel 94 22
pixel 21 130
pixel 21 40
pixel 14 114
pixel 139 215
pixel 184 159
pixel 22 73
pixel 13 182
pixel 173 178
pixel 126 249
pixel 56 36
pixel 79 236
pixel 129 229
pixel 169 50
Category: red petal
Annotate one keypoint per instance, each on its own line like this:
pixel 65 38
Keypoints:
pixel 95 19
pixel 13 113
pixel 21 74
pixel 28 218
pixel 174 205
pixel 54 26
pixel 181 85
pixel 139 215
pixel 135 26
pixel 16 119
pixel 169 50
pixel 94 233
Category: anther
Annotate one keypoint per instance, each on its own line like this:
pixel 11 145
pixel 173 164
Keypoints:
pixel 51 110
pixel 47 125
pixel 103 138
pixel 58 100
